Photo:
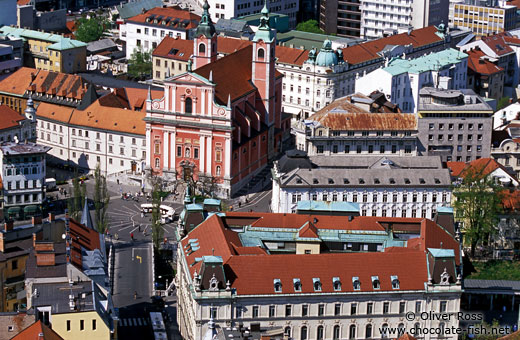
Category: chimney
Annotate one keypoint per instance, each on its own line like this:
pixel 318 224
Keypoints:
pixel 2 242
pixel 8 226
pixel 36 220
pixel 52 217
pixel 34 240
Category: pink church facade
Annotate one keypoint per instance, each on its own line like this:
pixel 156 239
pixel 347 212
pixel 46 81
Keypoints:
pixel 222 119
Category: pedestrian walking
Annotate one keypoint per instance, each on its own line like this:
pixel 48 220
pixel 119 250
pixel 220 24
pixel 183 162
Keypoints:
pixel 132 236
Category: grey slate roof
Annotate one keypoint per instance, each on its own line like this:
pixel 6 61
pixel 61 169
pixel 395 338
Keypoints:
pixel 363 171
pixel 100 45
pixel 233 27
pixel 471 101
pixel 131 9
pixel 492 284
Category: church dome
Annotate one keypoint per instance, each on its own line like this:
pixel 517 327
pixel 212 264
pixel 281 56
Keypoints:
pixel 326 56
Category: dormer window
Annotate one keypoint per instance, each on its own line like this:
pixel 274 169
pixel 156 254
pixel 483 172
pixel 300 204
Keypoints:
pixel 299 180
pixel 346 181
pixel 331 181
pixel 377 181
pixel 361 181
pixel 395 281
pixel 375 282
pixel 356 283
pixel 336 283
pixel 422 181
pixel 406 181
pixel 317 284
pixel 392 181
pixel 297 285
pixel 315 181
pixel 437 181
pixel 277 286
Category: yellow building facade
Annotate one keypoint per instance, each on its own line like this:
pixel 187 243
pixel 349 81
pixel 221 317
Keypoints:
pixel 483 20
pixel 80 326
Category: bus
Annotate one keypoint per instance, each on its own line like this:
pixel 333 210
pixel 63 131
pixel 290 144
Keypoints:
pixel 159 329
pixel 167 213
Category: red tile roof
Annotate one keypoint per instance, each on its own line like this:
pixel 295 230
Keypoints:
pixel 356 119
pixel 512 336
pixel 291 56
pixel 227 45
pixel 168 12
pixel 82 237
pixel 406 336
pixel 497 44
pixel 174 48
pixel 239 65
pixel 214 237
pixel 129 98
pixel 37 331
pixel 481 65
pixel 9 118
pixel 482 166
pixel 511 200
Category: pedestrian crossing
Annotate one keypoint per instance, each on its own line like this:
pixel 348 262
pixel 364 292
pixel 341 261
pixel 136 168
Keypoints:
pixel 133 322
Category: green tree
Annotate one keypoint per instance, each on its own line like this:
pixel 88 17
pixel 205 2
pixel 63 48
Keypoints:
pixel 478 201
pixel 77 199
pixel 140 64
pixel 91 29
pixel 101 200
pixel 503 102
pixel 157 229
pixel 311 26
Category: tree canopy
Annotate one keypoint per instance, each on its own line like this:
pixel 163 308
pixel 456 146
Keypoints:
pixel 101 200
pixel 311 26
pixel 140 64
pixel 91 29
pixel 478 201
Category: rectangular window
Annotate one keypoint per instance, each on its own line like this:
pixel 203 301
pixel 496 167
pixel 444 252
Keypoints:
pixel 255 311
pixel 272 311
pixel 68 325
pixel 93 324
pixel 288 310
pixel 179 151
pixel 370 307
pixel 386 307
pixel 81 325
pixel 417 306
pixel 353 309
pixel 321 309
pixel 337 309
pixel 305 310
pixel 402 306
pixel 443 306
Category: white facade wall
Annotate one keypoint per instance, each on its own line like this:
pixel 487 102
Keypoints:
pixel 404 88
pixel 377 15
pixel 146 36
pixel 24 131
pixel 86 147
pixel 389 201
pixel 23 181
pixel 506 115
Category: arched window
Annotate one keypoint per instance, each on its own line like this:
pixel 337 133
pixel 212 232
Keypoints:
pixel 261 54
pixel 287 331
pixel 368 331
pixel 352 332
pixel 218 172
pixel 400 329
pixel 188 105
pixel 336 332
pixel 187 152
pixel 441 328
pixel 303 333
pixel 157 163
pixel 202 48
pixel 319 333
pixel 384 331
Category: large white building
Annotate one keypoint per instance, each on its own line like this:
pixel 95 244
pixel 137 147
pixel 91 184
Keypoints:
pixel 23 177
pixel 381 185
pixel 401 78
pixel 317 277
pixel 383 17
pixel 14 126
pixel 146 31
pixel 228 9
pixel 113 137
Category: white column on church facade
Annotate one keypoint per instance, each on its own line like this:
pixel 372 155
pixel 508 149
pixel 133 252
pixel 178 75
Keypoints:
pixel 174 98
pixel 149 148
pixel 172 150
pixel 203 101
pixel 166 144
pixel 209 152
pixel 227 153
pixel 167 98
pixel 202 154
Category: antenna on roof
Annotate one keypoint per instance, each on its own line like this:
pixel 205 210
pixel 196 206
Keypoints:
pixel 213 251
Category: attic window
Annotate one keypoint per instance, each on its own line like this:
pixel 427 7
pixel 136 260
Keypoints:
pixel 422 181
pixel 336 283
pixel 437 181
pixel 361 181
pixel 299 180
pixel 395 282
pixel 356 284
pixel 377 181
pixel 406 181
pixel 346 181
pixel 375 282
pixel 317 284
pixel 392 181
pixel 315 181
pixel 297 285
pixel 277 286
pixel 331 181
pixel 174 51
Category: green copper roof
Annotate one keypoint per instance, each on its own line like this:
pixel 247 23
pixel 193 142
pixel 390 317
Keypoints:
pixel 59 43
pixel 338 206
pixel 430 62
pixel 206 26
pixel 264 33
pixel 327 56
